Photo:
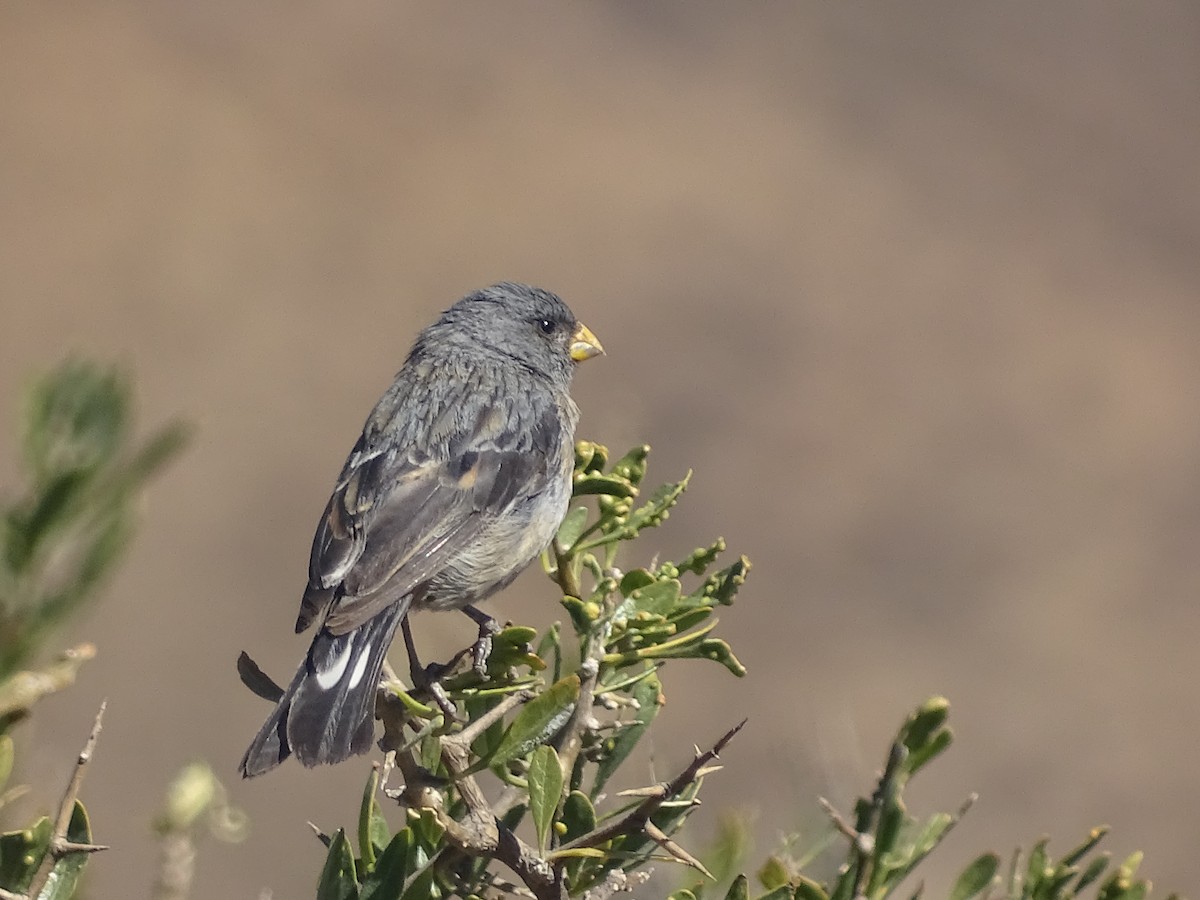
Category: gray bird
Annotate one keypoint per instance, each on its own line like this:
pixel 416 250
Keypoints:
pixel 460 479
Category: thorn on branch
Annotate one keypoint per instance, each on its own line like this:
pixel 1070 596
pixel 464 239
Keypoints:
pixel 60 844
pixel 663 840
pixel 638 818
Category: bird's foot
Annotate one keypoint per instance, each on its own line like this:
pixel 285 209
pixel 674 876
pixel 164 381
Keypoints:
pixel 430 678
pixel 482 648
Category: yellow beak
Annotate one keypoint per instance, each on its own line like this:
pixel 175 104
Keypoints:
pixel 584 344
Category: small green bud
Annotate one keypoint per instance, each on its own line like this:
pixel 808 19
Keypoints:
pixel 190 796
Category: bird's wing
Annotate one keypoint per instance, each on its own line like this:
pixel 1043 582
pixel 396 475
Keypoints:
pixel 395 520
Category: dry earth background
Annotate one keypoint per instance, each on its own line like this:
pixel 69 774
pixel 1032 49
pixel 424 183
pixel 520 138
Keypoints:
pixel 912 286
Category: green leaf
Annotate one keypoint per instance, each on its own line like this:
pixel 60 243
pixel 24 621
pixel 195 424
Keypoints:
pixel 723 586
pixel 929 751
pixel 1095 836
pixel 684 646
pixel 431 753
pixel 427 835
pixel 577 853
pixel 510 648
pixel 514 636
pixel 337 881
pixel 1092 872
pixel 537 721
pixel 1054 883
pixel 633 464
pixel 685 618
pixel 513 818
pixel 545 782
pixel 65 536
pixel 698 561
pixel 739 889
pixel 719 651
pixel 976 877
pixel 423 887
pixel 646 694
pixel 1131 863
pixel 658 598
pixel 411 704
pixel 51 511
pixel 635 579
pixel 1038 863
pixel 657 510
pixel 77 417
pixel 783 892
pixel 64 877
pixel 923 723
pixel 391 870
pixel 578 816
pixel 21 853
pixel 156 452
pixel 572 527
pixel 929 835
pixel 373 831
pixel 583 613
pixel 606 485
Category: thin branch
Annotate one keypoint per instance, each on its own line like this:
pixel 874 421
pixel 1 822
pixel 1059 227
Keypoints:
pixel 495 714
pixel 637 818
pixel 563 575
pixel 60 844
pixel 479 833
pixel 862 842
pixel 570 740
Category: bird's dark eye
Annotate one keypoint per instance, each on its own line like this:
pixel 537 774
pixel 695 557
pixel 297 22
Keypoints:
pixel 546 326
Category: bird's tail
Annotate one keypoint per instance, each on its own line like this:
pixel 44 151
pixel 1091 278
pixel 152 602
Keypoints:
pixel 327 713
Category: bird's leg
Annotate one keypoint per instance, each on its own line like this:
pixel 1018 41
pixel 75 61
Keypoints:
pixel 482 648
pixel 429 677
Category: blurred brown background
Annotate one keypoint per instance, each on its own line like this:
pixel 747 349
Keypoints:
pixel 912 286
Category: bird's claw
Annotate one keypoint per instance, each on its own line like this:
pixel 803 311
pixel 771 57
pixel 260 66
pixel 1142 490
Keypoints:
pixel 430 678
pixel 482 648
pixel 480 651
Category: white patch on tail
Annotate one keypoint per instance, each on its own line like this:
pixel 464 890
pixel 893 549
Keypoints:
pixel 360 667
pixel 332 675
